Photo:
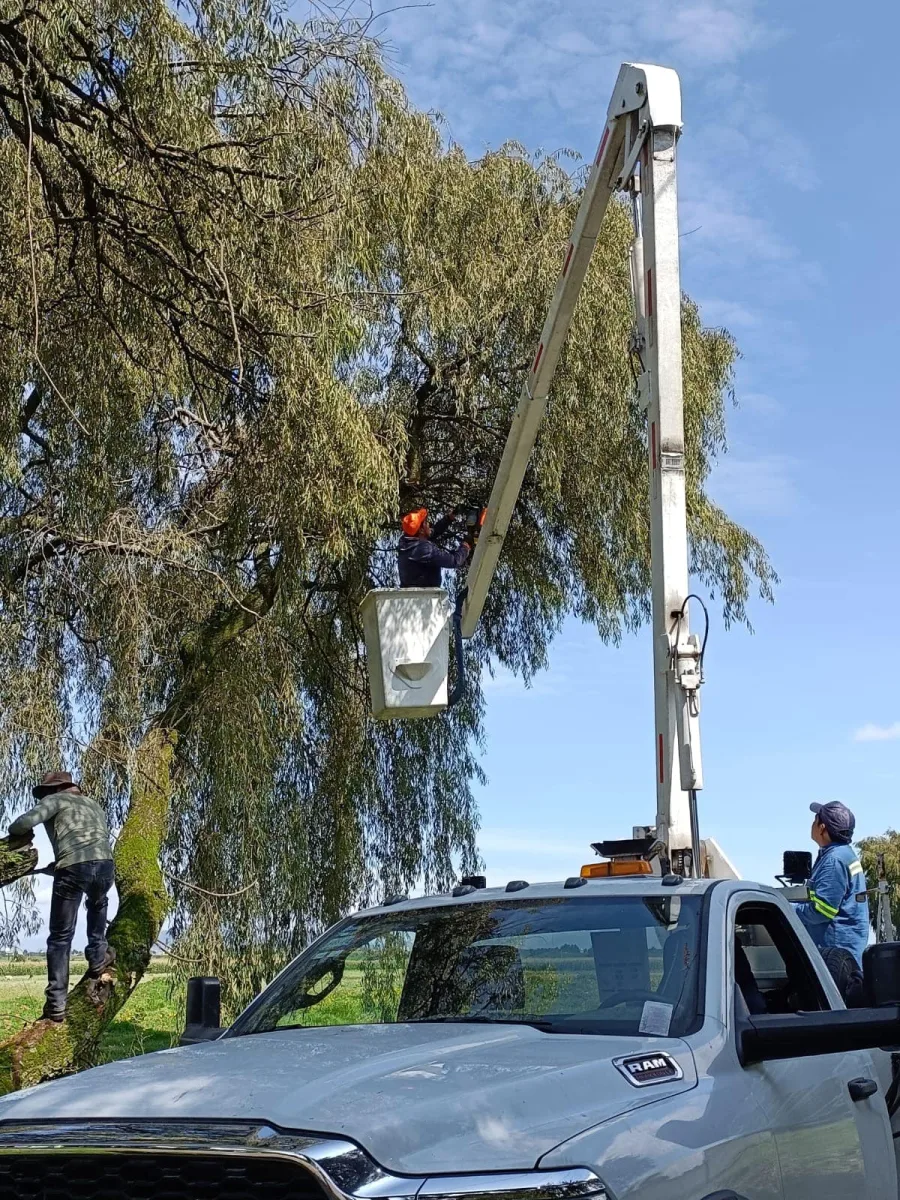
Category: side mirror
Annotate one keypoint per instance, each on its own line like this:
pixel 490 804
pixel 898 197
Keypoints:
pixel 803 1035
pixel 203 1011
pixel 881 971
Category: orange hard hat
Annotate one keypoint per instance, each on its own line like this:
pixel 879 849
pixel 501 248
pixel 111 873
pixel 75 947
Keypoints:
pixel 413 522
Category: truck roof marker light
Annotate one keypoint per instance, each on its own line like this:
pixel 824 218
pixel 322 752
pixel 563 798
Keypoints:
pixel 477 881
pixel 463 889
pixel 618 868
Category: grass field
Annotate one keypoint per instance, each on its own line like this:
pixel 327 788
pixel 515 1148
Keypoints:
pixel 147 1022
pixel 364 992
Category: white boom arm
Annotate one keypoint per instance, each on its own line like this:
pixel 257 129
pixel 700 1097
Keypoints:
pixel 636 153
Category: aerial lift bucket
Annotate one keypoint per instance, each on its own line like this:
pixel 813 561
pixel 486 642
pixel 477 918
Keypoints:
pixel 407 632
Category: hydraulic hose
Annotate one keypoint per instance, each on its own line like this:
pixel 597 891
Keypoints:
pixel 459 684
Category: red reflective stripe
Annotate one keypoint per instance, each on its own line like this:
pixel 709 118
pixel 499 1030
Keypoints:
pixel 537 358
pixel 662 774
pixel 649 291
pixel 603 142
pixel 568 258
pixel 653 443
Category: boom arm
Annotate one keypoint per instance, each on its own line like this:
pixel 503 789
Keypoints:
pixel 636 153
pixel 637 88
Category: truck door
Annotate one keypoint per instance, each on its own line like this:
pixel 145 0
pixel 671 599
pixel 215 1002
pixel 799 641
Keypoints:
pixel 833 1141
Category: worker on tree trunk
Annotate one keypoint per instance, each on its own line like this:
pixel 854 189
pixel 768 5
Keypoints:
pixel 419 558
pixel 838 910
pixel 79 834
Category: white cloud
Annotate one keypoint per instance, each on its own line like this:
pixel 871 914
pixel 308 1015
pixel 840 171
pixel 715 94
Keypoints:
pixel 745 129
pixel 574 42
pixel 759 485
pixel 709 33
pixel 540 71
pixel 878 733
pixel 546 53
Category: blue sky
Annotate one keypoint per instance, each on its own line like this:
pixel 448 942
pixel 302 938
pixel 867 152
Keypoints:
pixel 788 186
pixel 785 181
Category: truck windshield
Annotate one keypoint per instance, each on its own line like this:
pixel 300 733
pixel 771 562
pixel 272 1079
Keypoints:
pixel 626 965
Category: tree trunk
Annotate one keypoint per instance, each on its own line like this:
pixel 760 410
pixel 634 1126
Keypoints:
pixel 45 1049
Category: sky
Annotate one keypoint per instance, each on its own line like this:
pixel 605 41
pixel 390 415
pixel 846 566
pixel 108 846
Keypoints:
pixel 787 190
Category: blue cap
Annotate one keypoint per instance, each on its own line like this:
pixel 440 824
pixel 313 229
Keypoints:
pixel 837 819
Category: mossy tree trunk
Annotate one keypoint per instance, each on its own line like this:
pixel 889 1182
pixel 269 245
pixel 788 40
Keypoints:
pixel 15 864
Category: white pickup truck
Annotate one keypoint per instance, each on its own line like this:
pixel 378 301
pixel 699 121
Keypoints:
pixel 644 1038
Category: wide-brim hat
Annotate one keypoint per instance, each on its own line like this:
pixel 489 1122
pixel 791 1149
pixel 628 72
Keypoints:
pixel 52 781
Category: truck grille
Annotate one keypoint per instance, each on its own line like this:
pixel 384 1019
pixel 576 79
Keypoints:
pixel 157 1176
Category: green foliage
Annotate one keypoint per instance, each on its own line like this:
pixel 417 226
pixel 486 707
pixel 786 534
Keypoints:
pixel 869 849
pixel 252 305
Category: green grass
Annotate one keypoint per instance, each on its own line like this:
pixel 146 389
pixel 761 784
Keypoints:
pixel 28 965
pixel 148 1021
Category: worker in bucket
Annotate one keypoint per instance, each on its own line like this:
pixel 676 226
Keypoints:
pixel 79 834
pixel 837 913
pixel 420 559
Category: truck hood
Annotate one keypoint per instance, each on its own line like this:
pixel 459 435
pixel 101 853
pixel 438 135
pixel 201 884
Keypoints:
pixel 420 1099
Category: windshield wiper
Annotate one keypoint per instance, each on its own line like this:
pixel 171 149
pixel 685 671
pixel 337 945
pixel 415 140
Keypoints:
pixel 543 1026
pixel 469 1019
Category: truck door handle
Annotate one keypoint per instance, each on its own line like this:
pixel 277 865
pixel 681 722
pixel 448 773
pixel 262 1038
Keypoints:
pixel 862 1089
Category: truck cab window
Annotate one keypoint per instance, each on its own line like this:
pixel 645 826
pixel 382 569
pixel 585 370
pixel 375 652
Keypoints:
pixel 628 965
pixel 772 973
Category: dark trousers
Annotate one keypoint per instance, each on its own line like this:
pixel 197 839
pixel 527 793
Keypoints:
pixel 93 881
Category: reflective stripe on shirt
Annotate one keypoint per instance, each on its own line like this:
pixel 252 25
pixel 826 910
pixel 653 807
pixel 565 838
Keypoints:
pixel 821 907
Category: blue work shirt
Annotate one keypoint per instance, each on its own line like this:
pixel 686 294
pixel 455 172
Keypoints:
pixel 838 910
pixel 421 561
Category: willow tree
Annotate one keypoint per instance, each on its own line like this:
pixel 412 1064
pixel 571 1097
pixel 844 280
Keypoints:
pixel 884 847
pixel 251 306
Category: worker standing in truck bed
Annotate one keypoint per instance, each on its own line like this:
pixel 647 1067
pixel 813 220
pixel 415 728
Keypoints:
pixel 420 559
pixel 838 910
